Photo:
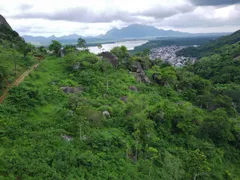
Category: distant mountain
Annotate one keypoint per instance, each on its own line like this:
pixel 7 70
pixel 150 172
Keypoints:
pixel 67 39
pixel 141 31
pixel 46 40
pixel 211 47
pixel 134 31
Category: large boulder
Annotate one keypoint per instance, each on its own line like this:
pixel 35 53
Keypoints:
pixel 70 90
pixel 110 57
pixel 133 88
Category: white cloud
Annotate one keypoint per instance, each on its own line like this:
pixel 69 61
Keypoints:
pixel 93 17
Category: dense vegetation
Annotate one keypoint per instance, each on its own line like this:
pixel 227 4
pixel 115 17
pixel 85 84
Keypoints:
pixel 181 41
pixel 14 56
pixel 210 48
pixel 183 125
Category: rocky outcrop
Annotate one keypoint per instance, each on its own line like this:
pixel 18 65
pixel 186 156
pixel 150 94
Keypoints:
pixel 141 77
pixel 7 34
pixel 69 90
pixel 4 22
pixel 136 67
pixel 139 73
pixel 110 57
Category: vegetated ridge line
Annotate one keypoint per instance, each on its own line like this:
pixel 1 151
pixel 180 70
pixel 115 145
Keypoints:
pixel 17 82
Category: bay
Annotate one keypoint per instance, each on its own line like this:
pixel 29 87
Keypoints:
pixel 107 47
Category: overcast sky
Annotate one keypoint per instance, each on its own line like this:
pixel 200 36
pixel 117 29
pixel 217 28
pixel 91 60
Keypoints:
pixel 94 17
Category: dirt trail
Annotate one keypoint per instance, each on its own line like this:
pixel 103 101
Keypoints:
pixel 17 82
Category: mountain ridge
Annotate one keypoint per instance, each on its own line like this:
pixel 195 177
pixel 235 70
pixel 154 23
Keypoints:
pixel 125 33
pixel 211 47
pixel 140 31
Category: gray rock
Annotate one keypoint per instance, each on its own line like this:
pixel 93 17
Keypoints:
pixel 76 66
pixel 106 114
pixel 69 90
pixel 62 54
pixel 136 67
pixel 110 57
pixel 124 99
pixel 141 77
pixel 67 138
pixel 237 58
pixel 139 73
pixel 133 88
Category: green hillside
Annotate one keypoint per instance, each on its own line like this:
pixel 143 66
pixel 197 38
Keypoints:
pixel 223 70
pixel 211 47
pixel 118 115
pixel 14 57
pixel 176 41
pixel 179 126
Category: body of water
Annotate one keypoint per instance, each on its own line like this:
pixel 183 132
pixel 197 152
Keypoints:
pixel 107 47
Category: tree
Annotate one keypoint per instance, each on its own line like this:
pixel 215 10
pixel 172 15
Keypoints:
pixel 146 52
pixel 3 74
pixel 81 43
pixel 197 164
pixel 42 49
pixel 55 46
pixel 69 49
pixel 218 127
pixel 106 68
pixel 122 54
pixel 26 48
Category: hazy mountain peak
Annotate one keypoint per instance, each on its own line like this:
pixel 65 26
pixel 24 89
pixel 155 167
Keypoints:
pixel 140 31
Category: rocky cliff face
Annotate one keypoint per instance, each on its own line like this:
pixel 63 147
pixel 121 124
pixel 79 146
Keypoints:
pixel 7 34
pixel 4 22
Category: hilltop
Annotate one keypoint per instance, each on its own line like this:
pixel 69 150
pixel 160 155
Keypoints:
pixel 3 22
pixel 211 47
pixel 14 57
pixel 7 33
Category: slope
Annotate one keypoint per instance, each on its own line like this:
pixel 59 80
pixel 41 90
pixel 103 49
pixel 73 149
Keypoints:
pixel 14 52
pixel 168 131
pixel 211 47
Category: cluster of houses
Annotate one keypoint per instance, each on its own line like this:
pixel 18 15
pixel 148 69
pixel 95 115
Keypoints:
pixel 168 54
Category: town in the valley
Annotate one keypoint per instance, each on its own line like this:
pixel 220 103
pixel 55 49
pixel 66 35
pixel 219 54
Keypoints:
pixel 168 54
